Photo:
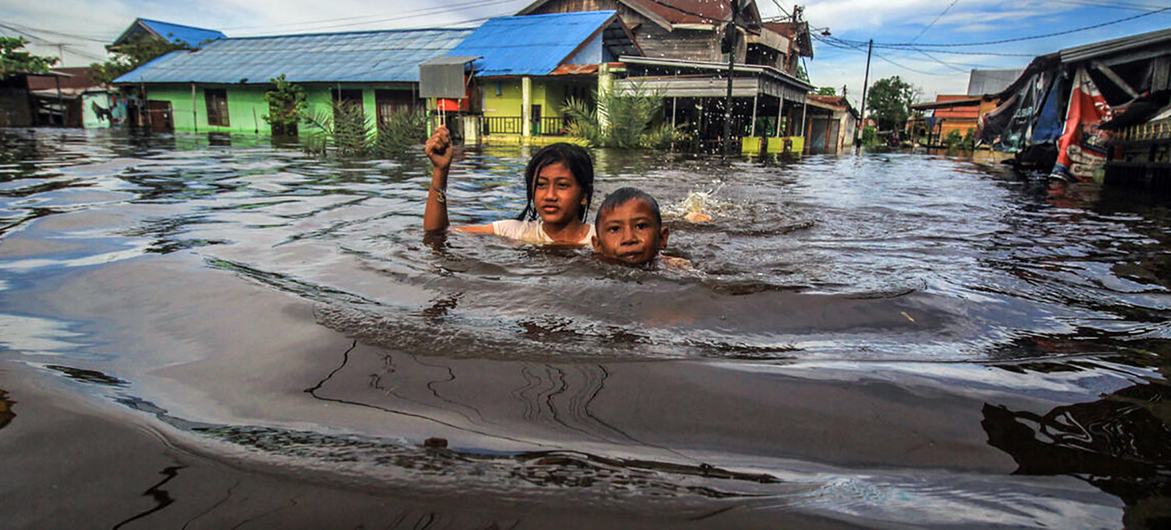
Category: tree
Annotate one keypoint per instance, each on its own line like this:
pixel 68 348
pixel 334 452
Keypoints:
pixel 14 60
pixel 827 91
pixel 286 105
pixel 131 55
pixel 802 74
pixel 890 102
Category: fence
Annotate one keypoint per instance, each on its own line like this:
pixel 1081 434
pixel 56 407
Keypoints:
pixel 549 126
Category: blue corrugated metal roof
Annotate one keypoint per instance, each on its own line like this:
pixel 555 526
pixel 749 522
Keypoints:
pixel 531 44
pixel 188 35
pixel 355 57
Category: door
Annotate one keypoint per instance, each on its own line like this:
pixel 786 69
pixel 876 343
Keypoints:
pixel 536 116
pixel 159 116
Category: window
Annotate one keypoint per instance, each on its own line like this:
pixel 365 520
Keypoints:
pixel 217 106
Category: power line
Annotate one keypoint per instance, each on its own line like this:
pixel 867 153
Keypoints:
pixel 937 17
pixel 1019 39
pixel 1111 5
pixel 14 25
pixel 416 14
pixel 412 13
pixel 846 46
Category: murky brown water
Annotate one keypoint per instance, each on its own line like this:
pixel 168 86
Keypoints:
pixel 206 336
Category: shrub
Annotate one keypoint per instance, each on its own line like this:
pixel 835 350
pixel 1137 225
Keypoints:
pixel 631 121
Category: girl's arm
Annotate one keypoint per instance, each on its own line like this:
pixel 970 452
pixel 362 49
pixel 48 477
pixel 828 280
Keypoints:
pixel 439 149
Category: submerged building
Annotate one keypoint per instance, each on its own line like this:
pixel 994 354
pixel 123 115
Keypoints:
pixel 684 59
pixel 1099 112
pixel 220 86
pixel 527 67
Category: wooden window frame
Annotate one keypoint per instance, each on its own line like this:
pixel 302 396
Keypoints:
pixel 216 100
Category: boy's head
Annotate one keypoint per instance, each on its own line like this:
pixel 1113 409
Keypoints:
pixel 629 227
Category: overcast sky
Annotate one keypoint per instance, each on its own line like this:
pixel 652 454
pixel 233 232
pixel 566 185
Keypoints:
pixel 80 28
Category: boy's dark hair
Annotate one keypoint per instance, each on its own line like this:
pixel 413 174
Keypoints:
pixel 622 196
pixel 575 158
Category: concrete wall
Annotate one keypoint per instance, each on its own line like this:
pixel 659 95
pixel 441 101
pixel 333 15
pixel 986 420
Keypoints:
pixel 549 94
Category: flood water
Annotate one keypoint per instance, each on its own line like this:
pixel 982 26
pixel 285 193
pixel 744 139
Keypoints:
pixel 195 334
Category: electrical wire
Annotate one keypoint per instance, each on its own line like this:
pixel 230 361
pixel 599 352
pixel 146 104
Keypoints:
pixel 1019 39
pixel 317 24
pixel 431 11
pixel 937 17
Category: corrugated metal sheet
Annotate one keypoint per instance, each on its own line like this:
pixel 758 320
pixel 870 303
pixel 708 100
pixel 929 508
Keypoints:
pixel 1097 50
pixel 982 82
pixel 530 45
pixel 188 35
pixel 357 57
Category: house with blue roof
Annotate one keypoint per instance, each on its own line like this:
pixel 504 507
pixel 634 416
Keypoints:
pixel 145 28
pixel 220 86
pixel 528 66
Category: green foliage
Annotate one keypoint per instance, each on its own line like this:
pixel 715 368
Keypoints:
pixel 347 133
pixel 131 55
pixel 870 137
pixel 631 121
pixel 956 141
pixel 286 105
pixel 827 91
pixel 802 74
pixel 15 60
pixel 890 102
pixel 400 133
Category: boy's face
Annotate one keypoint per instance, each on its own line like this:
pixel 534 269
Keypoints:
pixel 628 233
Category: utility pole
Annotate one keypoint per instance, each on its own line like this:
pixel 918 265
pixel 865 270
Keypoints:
pixel 731 35
pixel 865 85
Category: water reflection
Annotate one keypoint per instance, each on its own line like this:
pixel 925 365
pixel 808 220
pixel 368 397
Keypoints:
pixel 757 382
pixel 6 413
pixel 1120 443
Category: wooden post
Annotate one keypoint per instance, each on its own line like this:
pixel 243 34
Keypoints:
pixel 780 107
pixel 526 106
pixel 752 127
pixel 731 29
pixel 194 115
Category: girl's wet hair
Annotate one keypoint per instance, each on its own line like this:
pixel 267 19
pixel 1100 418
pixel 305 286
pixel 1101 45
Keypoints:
pixel 622 196
pixel 575 158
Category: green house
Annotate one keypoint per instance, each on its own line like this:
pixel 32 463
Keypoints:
pixel 220 87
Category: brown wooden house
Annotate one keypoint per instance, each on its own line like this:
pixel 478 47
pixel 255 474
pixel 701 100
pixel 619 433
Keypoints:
pixel 684 61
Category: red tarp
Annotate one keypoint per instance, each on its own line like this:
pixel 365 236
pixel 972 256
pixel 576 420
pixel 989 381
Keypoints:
pixel 1081 150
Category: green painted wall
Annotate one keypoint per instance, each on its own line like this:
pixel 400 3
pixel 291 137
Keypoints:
pixel 247 107
pixel 549 94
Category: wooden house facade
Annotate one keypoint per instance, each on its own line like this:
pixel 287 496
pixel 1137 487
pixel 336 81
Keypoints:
pixel 685 61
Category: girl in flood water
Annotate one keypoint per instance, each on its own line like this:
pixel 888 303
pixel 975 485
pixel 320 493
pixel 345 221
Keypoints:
pixel 559 181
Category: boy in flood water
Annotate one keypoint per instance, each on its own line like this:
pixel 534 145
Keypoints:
pixel 629 230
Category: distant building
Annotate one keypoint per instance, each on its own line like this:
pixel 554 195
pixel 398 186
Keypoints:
pixel 143 28
pixel 831 123
pixel 949 114
pixel 68 97
pixel 220 87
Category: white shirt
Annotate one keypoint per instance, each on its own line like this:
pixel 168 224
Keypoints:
pixel 532 232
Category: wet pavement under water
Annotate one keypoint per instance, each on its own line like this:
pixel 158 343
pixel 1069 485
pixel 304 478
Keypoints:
pixel 197 335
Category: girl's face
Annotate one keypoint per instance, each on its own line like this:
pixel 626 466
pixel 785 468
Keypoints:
pixel 557 196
